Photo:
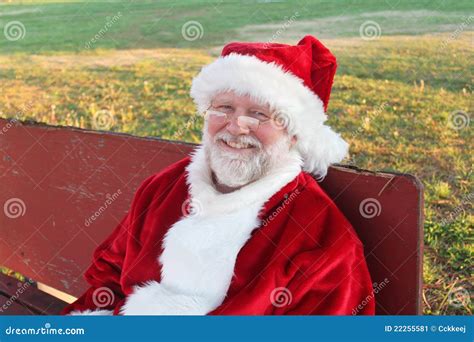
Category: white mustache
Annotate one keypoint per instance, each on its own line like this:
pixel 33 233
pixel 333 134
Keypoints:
pixel 241 139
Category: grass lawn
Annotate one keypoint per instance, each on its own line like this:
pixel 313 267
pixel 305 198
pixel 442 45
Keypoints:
pixel 69 26
pixel 399 99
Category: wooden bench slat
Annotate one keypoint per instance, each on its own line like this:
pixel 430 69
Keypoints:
pixel 26 295
pixel 10 309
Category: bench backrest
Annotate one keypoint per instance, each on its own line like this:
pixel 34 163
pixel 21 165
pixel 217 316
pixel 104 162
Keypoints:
pixel 54 179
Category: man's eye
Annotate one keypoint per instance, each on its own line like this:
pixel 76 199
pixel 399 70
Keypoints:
pixel 226 107
pixel 260 115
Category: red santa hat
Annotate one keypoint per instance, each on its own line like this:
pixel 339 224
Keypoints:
pixel 294 80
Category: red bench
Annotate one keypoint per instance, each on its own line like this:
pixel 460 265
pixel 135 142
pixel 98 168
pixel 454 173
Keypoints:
pixel 54 179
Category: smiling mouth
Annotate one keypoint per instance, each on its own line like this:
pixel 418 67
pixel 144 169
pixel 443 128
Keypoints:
pixel 236 146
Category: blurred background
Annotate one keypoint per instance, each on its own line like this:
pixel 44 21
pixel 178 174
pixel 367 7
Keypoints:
pixel 402 95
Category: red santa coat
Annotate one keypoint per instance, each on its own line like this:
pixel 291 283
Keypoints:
pixel 278 246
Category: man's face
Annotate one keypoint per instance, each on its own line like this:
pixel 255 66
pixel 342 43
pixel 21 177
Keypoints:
pixel 238 152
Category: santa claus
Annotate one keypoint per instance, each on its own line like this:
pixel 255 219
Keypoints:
pixel 241 227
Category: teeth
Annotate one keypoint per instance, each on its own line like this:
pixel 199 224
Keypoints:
pixel 237 145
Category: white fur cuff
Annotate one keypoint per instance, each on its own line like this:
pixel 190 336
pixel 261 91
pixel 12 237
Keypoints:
pixel 155 299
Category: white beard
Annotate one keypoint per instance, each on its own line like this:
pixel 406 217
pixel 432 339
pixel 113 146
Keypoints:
pixel 238 169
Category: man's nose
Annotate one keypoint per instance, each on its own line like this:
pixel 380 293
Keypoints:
pixel 234 128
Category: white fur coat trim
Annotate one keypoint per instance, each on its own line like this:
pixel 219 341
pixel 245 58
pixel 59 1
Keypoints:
pixel 200 250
